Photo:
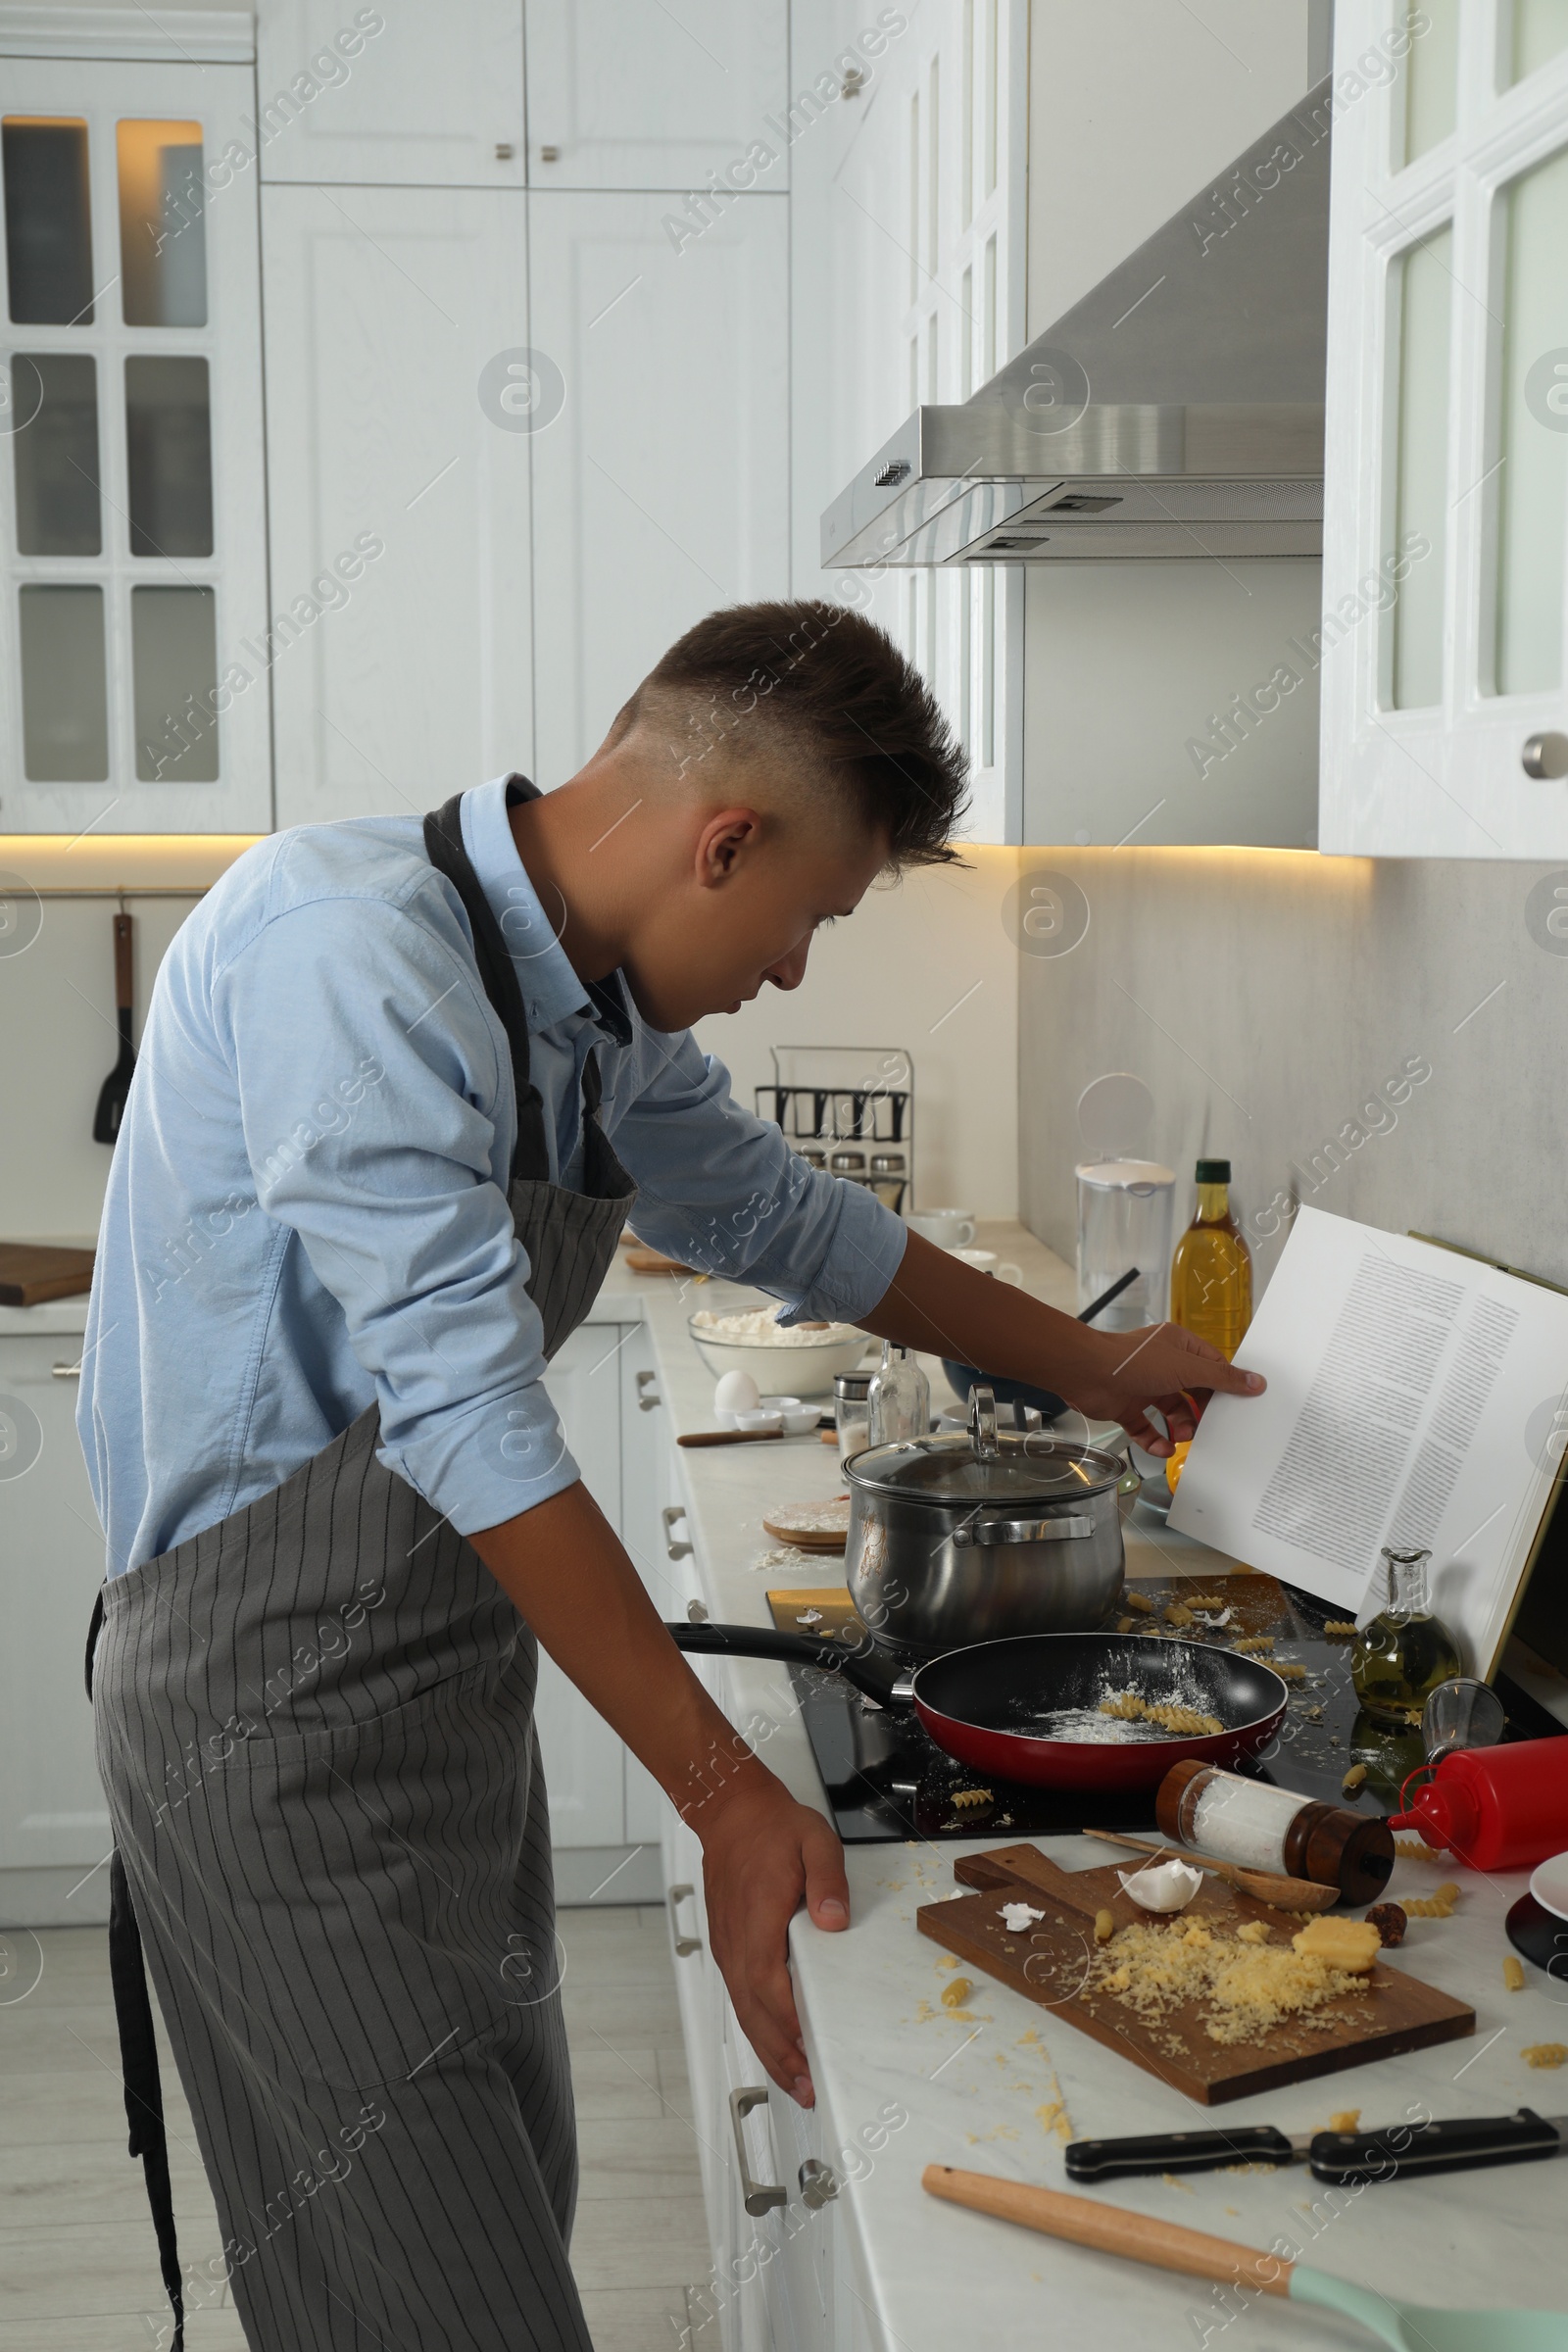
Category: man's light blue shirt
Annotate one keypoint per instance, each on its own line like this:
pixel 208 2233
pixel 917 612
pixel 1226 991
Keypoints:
pixel 307 1207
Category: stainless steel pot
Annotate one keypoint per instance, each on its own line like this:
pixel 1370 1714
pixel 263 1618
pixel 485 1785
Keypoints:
pixel 984 1535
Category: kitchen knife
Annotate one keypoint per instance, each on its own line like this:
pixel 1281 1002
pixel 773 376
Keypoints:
pixel 1349 2158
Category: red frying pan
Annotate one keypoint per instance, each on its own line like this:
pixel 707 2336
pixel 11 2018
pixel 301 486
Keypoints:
pixel 1003 1707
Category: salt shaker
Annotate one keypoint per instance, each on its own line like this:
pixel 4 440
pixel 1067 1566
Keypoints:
pixel 849 1412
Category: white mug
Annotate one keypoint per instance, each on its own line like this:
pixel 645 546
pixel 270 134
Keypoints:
pixel 986 1261
pixel 946 1227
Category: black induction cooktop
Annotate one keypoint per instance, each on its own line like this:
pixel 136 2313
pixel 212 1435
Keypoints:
pixel 885 1780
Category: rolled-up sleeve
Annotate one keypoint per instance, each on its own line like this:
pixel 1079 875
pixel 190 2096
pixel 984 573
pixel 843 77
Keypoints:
pixel 722 1191
pixel 369 1072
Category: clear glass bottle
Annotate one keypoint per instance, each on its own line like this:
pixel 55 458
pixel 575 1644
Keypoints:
pixel 899 1401
pixel 1403 1653
pixel 1212 1272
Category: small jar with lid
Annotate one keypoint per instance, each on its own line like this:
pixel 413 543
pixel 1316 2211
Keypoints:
pixel 848 1163
pixel 1262 1828
pixel 852 1412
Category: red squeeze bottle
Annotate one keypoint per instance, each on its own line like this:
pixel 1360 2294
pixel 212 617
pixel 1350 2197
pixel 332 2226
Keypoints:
pixel 1496 1808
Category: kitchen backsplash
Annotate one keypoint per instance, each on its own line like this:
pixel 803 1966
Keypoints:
pixel 1384 1039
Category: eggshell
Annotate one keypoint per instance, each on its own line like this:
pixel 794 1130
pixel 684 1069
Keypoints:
pixel 1163 1885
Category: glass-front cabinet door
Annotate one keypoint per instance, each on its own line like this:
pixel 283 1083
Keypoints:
pixel 135 639
pixel 1445 519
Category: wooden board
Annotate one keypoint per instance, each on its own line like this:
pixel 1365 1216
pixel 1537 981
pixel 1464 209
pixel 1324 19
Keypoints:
pixel 808 1539
pixel 31 1272
pixel 1048 1964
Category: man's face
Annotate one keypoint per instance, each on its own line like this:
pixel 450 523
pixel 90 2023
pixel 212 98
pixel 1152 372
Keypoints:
pixel 745 913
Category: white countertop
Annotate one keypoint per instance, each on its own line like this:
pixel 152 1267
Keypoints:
pixel 935 2275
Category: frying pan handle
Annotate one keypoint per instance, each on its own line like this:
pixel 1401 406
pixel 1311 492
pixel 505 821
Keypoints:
pixel 874 1677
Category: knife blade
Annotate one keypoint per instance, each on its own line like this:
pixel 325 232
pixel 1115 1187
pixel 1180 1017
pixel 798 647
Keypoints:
pixel 1347 2158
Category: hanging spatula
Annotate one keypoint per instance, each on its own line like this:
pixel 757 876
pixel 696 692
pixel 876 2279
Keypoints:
pixel 1113 2230
pixel 116 1085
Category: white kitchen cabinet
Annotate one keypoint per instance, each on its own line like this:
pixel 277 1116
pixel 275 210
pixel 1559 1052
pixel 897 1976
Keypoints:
pixel 398 390
pixel 407 93
pixel 1445 624
pixel 659 488
pixel 133 526
pixel 54 1823
pixel 631 94
pixel 910 206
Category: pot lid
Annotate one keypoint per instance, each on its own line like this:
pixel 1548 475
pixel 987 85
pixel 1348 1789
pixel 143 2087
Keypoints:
pixel 984 1464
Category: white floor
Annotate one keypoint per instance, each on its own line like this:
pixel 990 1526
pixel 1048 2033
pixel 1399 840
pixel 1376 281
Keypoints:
pixel 78 2269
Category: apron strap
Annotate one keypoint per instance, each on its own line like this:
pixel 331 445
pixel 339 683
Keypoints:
pixel 138 2055
pixel 443 842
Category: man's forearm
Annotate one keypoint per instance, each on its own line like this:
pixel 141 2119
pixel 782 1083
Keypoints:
pixel 939 1304
pixel 570 1576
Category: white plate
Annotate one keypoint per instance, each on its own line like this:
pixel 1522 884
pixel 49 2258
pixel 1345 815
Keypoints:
pixel 1548 1883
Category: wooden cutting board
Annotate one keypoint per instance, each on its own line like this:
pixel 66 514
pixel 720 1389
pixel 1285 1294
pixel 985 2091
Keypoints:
pixel 31 1272
pixel 1049 1963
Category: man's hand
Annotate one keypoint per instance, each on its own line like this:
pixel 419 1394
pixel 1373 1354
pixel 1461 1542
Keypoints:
pixel 1164 1366
pixel 762 1853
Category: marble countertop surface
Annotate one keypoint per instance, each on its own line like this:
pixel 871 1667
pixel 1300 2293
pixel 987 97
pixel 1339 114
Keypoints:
pixel 980 2094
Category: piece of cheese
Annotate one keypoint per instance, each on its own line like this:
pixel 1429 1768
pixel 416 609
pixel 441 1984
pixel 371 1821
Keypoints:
pixel 1348 1943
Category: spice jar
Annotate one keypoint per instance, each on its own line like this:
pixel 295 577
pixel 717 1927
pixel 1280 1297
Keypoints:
pixel 1262 1828
pixel 852 1412
pixel 848 1163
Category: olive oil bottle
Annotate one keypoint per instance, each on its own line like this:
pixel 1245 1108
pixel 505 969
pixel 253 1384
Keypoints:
pixel 1401 1656
pixel 1212 1272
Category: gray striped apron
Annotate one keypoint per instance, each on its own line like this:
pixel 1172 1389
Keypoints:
pixel 315 1725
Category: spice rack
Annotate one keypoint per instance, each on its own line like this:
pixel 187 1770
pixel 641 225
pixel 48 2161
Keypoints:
pixel 849 1109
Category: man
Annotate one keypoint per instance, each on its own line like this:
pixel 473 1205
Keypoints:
pixel 399 1088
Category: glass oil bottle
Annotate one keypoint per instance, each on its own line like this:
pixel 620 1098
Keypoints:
pixel 1212 1272
pixel 1403 1653
pixel 899 1400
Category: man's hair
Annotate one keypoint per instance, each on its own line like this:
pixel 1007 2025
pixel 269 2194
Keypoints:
pixel 816 688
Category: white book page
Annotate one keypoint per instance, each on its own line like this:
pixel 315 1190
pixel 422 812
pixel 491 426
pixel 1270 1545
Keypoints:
pixel 1414 1398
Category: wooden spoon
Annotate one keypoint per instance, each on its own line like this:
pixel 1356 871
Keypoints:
pixel 1287 1895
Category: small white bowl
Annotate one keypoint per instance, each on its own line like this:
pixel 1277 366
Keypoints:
pixel 797 1415
pixel 809 1363
pixel 761 1418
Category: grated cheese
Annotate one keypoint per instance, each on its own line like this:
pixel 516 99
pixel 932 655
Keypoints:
pixel 1244 1988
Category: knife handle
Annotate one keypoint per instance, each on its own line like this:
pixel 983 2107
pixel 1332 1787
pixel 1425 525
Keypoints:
pixel 1177 2152
pixel 1352 2157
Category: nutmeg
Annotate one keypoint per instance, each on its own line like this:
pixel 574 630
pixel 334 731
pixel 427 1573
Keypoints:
pixel 1390 1922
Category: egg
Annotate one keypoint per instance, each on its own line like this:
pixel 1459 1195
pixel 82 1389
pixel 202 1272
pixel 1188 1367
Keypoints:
pixel 736 1392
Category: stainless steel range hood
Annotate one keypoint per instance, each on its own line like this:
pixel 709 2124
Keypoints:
pixel 1177 410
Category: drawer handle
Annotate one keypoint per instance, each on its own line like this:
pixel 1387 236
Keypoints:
pixel 758 2196
pixel 819 2183
pixel 1020 1531
pixel 697 1612
pixel 67 1371
pixel 669 1514
pixel 685 1946
pixel 648 1397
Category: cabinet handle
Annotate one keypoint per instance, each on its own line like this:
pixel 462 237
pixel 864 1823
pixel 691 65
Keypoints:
pixel 67 1371
pixel 550 155
pixel 819 2183
pixel 758 2196
pixel 1545 754
pixel 669 1514
pixel 647 1400
pixel 685 1946
pixel 697 1613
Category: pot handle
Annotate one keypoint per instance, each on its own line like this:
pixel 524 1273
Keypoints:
pixel 1021 1531
pixel 862 1666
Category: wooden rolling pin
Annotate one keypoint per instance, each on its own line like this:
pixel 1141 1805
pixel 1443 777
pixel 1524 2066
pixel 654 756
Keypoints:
pixel 1110 2228
pixel 1287 1895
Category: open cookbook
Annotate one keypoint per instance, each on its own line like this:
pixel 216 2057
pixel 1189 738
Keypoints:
pixel 1416 1397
